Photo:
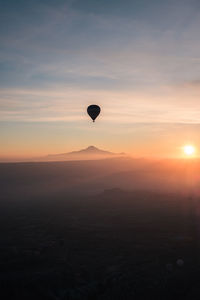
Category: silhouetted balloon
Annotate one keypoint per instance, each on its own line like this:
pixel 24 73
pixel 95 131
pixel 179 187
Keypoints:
pixel 93 111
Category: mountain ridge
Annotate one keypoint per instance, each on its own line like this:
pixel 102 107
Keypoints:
pixel 87 153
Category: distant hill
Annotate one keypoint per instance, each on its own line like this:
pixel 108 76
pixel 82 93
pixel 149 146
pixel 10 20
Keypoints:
pixel 90 152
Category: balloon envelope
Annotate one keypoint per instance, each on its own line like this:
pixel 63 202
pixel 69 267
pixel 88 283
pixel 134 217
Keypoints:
pixel 93 111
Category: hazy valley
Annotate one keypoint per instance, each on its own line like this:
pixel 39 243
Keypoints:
pixel 102 229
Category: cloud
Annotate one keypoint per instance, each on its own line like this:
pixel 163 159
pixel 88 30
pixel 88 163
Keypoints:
pixel 70 45
pixel 56 60
pixel 118 107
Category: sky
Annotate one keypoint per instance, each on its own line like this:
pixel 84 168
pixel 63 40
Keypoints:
pixel 138 59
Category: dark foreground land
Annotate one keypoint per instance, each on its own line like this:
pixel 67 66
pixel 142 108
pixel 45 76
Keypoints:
pixel 115 244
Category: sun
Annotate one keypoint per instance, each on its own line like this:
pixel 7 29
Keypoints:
pixel 189 150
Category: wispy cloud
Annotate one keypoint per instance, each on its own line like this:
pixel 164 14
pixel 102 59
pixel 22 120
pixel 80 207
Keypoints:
pixel 176 105
pixel 69 45
pixel 140 62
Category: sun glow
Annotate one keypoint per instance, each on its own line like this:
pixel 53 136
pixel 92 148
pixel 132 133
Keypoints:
pixel 189 150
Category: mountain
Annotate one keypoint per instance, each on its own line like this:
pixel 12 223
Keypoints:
pixel 90 152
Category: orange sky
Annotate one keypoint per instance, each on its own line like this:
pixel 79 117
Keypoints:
pixel 141 68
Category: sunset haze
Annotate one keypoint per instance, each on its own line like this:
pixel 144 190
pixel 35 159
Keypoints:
pixel 138 60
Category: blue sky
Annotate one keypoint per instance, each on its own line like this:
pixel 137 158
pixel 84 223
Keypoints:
pixel 139 60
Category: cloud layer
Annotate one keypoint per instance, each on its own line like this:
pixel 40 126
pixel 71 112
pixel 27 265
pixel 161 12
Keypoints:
pixel 139 60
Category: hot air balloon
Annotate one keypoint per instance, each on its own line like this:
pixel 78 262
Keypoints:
pixel 93 111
